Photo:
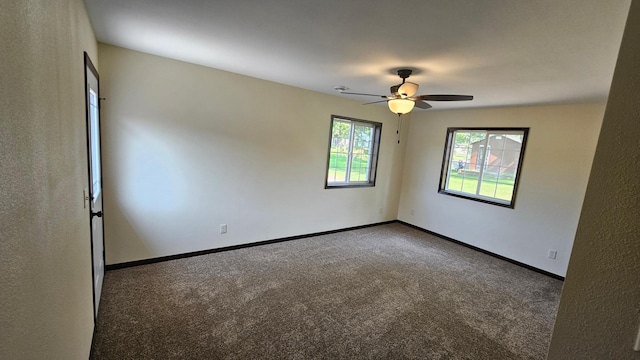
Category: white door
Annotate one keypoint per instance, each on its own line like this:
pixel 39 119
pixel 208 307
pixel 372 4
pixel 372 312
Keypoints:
pixel 95 180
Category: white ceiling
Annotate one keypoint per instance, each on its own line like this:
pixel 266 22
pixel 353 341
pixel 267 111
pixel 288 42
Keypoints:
pixel 504 52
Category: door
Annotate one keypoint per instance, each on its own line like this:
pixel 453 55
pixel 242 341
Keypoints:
pixel 95 180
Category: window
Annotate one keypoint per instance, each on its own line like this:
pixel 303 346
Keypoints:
pixel 96 176
pixel 353 152
pixel 483 164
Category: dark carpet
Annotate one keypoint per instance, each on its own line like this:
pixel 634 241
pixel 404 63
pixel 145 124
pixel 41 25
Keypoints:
pixel 383 292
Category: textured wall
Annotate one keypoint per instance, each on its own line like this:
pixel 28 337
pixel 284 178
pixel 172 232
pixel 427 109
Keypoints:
pixel 45 266
pixel 599 312
pixel 558 155
pixel 187 148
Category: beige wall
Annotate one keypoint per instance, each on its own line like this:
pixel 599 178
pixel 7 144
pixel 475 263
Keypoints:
pixel 46 308
pixel 555 169
pixel 599 312
pixel 187 148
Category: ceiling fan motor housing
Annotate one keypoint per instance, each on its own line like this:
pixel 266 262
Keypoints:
pixel 404 73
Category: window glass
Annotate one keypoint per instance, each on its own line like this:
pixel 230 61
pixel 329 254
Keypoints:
pixel 95 144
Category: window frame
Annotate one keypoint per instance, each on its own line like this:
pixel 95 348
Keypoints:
pixel 375 151
pixel 446 165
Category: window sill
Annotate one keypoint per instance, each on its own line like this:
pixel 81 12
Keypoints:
pixel 347 185
pixel 490 201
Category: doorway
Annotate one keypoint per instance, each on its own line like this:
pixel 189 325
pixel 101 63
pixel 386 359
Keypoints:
pixel 94 198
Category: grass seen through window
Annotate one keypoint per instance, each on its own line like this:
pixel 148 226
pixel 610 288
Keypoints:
pixel 501 189
pixel 338 166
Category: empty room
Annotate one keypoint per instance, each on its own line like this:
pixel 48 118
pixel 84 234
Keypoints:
pixel 320 180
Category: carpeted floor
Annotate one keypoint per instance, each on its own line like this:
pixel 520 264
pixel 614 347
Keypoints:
pixel 384 292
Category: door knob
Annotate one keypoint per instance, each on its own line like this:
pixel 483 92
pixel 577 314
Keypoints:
pixel 98 214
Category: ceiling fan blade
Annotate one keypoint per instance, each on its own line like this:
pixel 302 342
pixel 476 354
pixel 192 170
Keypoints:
pixel 422 105
pixel 445 97
pixel 351 93
pixel 375 102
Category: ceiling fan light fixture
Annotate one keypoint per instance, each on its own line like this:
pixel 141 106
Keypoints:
pixel 400 106
pixel 408 89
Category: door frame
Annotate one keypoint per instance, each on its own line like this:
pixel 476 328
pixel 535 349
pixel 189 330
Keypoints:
pixel 89 64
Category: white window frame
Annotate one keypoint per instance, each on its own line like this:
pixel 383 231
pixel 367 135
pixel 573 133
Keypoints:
pixel 374 149
pixel 447 163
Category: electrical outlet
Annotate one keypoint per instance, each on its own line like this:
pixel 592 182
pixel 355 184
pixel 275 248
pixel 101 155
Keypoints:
pixel 552 254
pixel 413 212
pixel 223 228
pixel 380 211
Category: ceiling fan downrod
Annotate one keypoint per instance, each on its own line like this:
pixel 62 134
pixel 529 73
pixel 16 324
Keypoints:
pixel 404 74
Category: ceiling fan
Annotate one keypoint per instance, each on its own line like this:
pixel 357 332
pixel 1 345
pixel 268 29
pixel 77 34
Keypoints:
pixel 403 96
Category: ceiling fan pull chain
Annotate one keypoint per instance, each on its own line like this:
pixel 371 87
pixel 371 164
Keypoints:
pixel 399 127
